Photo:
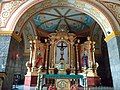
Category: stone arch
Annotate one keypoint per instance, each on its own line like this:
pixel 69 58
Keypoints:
pixel 94 9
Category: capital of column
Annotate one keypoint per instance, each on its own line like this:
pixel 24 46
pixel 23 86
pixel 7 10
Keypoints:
pixel 112 35
pixel 8 33
pixel 16 37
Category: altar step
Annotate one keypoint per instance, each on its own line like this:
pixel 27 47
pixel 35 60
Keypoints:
pixel 22 87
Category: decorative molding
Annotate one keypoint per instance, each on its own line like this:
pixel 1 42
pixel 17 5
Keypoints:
pixel 86 7
pixel 16 37
pixel 7 8
pixel 114 8
pixel 112 35
pixel 8 33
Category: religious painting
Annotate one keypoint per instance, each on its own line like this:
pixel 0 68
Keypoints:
pixel 40 55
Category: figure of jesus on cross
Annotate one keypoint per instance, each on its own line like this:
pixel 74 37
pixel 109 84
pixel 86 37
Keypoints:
pixel 62 46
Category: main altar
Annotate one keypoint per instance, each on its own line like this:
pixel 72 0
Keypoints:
pixel 62 61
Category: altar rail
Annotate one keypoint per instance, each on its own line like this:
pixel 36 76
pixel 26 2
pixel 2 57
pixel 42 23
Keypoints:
pixel 41 78
pixel 93 88
pixel 63 76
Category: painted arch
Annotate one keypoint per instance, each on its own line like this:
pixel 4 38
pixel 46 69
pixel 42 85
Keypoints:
pixel 92 8
pixel 28 9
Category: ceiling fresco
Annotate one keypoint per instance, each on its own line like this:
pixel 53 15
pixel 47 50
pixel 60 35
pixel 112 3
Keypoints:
pixel 56 18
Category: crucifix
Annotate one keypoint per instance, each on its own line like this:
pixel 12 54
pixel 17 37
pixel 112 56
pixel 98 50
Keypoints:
pixel 62 46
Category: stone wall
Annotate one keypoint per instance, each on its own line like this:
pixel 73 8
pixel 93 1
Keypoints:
pixel 114 57
pixel 15 63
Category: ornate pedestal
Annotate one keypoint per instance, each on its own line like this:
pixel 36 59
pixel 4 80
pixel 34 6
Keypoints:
pixel 92 79
pixel 30 79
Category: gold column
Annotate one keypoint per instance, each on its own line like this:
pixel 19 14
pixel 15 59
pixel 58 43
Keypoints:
pixel 72 54
pixel 30 60
pixel 76 47
pixel 76 59
pixel 93 52
pixel 50 56
pixel 52 53
pixel 46 57
pixel 34 55
pixel 69 52
pixel 78 56
pixel 112 35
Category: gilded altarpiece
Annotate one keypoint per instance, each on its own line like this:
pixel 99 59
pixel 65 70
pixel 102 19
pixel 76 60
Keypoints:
pixel 62 39
pixel 87 61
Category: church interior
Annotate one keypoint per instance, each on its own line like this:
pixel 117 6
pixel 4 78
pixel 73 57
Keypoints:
pixel 57 46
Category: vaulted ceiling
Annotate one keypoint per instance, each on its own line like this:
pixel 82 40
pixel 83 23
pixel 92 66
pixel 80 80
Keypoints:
pixel 67 18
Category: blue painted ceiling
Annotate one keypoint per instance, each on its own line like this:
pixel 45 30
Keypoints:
pixel 56 18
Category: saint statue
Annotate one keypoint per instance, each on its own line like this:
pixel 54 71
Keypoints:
pixel 85 61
